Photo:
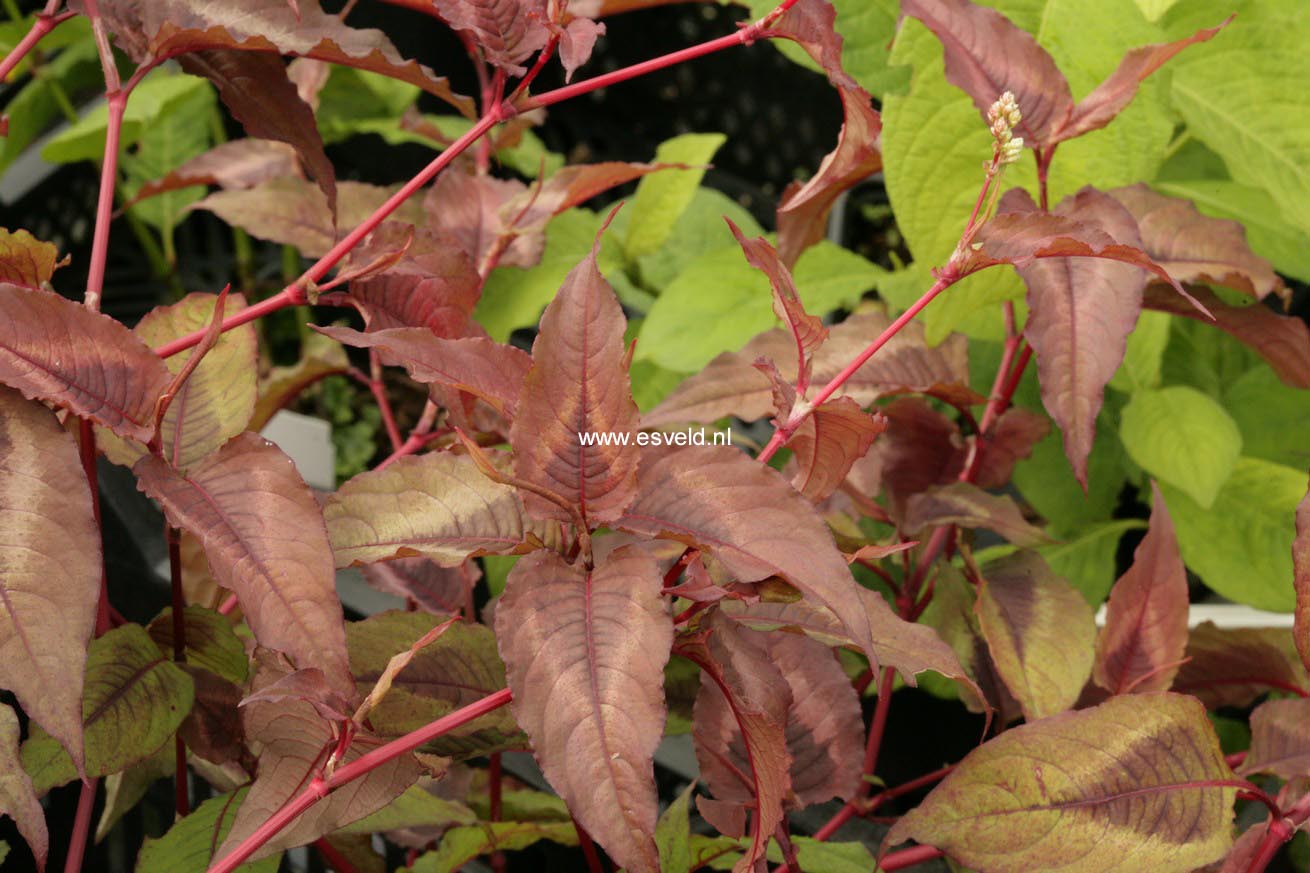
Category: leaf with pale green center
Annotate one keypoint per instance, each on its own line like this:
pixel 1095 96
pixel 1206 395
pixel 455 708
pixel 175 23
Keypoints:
pixel 1183 438
pixel 58 351
pixel 1040 631
pixel 1280 739
pixel 952 614
pixel 133 702
pixel 191 844
pixel 966 505
pixel 48 591
pixel 585 652
pixel 1234 666
pixel 752 521
pixel 1136 783
pixel 264 536
pixel 578 384
pixel 18 798
pixel 437 505
pixel 25 260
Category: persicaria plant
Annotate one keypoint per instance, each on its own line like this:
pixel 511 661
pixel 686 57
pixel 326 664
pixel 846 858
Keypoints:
pixel 1084 387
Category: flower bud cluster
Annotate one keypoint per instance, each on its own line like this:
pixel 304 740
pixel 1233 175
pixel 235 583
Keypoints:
pixel 1003 116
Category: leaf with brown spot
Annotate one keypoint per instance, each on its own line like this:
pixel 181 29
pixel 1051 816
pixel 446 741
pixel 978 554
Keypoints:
pixel 1145 635
pixel 830 440
pixel 1137 783
pixel 967 505
pixel 212 729
pixel 432 587
pixel 25 260
pixel 578 384
pixel 746 515
pixel 240 163
pixel 18 798
pixel 58 351
pixel 48 592
pixel 264 536
pixel 585 652
pixel 1234 666
pixel 1301 580
pixel 1040 631
pixel 433 285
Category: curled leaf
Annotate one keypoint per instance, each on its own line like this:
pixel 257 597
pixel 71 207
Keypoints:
pixel 25 260
pixel 1233 667
pixel 18 798
pixel 240 163
pixel 1280 739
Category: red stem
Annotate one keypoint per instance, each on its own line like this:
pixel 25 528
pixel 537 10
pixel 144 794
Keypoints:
pixel 182 800
pixel 908 858
pixel 877 727
pixel 378 389
pixel 44 23
pixel 495 783
pixel 320 787
pixel 86 802
pixel 588 849
pixel 337 861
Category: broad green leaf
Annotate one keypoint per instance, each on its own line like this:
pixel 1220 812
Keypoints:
pixel 158 96
pixel 662 197
pixel 181 132
pixel 700 230
pixel 35 106
pixel 529 157
pixel 133 702
pixel 1274 419
pixel 416 808
pixel 1145 354
pixel 123 791
pixel 1046 481
pixel 719 302
pixel 1129 779
pixel 821 857
pixel 352 98
pixel 1200 356
pixel 867 28
pixel 189 846
pixel 1242 545
pixel 673 834
pixel 1246 95
pixel 462 844
pixel 1154 10
pixel 211 642
pixel 1183 438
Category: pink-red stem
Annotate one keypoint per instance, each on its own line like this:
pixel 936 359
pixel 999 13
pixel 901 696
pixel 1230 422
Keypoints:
pixel 45 22
pixel 908 858
pixel 86 802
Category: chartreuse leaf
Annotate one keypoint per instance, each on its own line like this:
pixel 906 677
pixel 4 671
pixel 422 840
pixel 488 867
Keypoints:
pixel 1241 545
pixel 462 844
pixel 1207 359
pixel 35 106
pixel 18 798
pixel 1154 10
pixel 415 808
pixel 700 230
pixel 157 97
pixel 133 702
pixel 180 133
pixel 673 834
pixel 1301 569
pixel 663 197
pixel 1133 778
pixel 810 855
pixel 867 28
pixel 189 846
pixel 352 101
pixel 1183 438
pixel 1274 419
pixel 585 651
pixel 1144 356
pixel 718 302
pixel 49 590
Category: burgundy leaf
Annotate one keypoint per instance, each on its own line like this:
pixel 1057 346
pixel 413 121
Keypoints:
pixel 752 521
pixel 212 729
pixel 49 592
pixel 1112 96
pixel 829 442
pixel 1145 634
pixel 432 285
pixel 507 31
pixel 481 367
pixel 432 587
pixel 1010 440
pixel 987 55
pixel 921 448
pixel 585 652
pixel 309 686
pixel 803 209
pixel 741 713
pixel 264 537
pixel 1082 308
pixel 296 744
pixel 241 163
pixel 1040 632
pixel 967 505
pixel 1280 739
pixel 25 260
pixel 1301 580
pixel 1283 341
pixel 255 89
pixel 18 798
pixel 578 385
pixel 1233 667
pixel 437 505
pixel 475 210
pixel 1196 248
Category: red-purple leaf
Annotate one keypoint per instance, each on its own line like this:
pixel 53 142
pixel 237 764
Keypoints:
pixel 309 686
pixel 987 55
pixel 1280 739
pixel 576 42
pixel 803 209
pixel 25 260
pixel 1137 783
pixel 578 385
pixel 432 285
pixel 264 537
pixel 1040 631
pixel 829 442
pixel 474 211
pixel 48 591
pixel 1145 634
pixel 1196 248
pixel 1283 341
pixel 18 798
pixel 58 351
pixel 432 587
pixel 749 711
pixel 507 31
pixel 481 367
pixel 1082 308
pixel 437 505
pixel 1010 440
pixel 241 163
pixel 1112 96
pixel 921 448
pixel 531 209
pixel 1301 580
pixel 967 505
pixel 953 615
pixel 752 521
pixel 585 652
pixel 1233 667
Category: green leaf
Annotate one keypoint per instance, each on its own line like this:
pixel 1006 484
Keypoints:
pixel 211 642
pixel 463 844
pixel 1242 545
pixel 416 808
pixel 133 702
pixel 662 197
pixel 351 99
pixel 1183 438
pixel 528 157
pixel 1154 10
pixel 158 96
pixel 1145 355
pixel 673 834
pixel 189 845
pixel 700 230
pixel 719 302
pixel 1200 356
pixel 1274 418
pixel 35 107
pixel 810 855
pixel 1246 95
pixel 867 28
pixel 176 136
pixel 1046 481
